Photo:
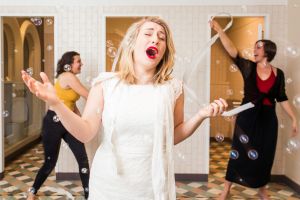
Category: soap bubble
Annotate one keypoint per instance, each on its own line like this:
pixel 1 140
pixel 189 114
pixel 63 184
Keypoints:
pixel 292 51
pixel 55 118
pixel 219 137
pixel 244 139
pixel 112 52
pixel 36 21
pixel 234 154
pixel 233 68
pixel 67 67
pixel 29 71
pixel 253 154
pixel 296 101
pixel 5 113
pixel 292 145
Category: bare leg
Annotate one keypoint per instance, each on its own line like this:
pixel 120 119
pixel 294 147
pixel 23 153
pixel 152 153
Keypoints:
pixel 226 191
pixel 30 196
pixel 263 194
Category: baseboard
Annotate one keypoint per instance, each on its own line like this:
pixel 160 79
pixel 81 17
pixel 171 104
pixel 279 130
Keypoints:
pixel 67 176
pixel 287 181
pixel 192 177
pixel 178 177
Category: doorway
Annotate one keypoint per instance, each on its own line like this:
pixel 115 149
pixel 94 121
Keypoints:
pixel 115 30
pixel 226 82
pixel 27 44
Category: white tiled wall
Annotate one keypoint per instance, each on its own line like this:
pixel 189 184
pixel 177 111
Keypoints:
pixel 292 161
pixel 80 28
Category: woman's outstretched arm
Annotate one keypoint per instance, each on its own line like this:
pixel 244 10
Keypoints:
pixel 226 42
pixel 83 128
pixel 184 129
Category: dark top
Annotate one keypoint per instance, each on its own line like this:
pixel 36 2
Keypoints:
pixel 251 91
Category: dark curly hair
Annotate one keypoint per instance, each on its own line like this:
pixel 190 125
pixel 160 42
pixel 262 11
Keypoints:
pixel 67 58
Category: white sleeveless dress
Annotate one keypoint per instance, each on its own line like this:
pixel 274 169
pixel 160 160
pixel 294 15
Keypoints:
pixel 135 158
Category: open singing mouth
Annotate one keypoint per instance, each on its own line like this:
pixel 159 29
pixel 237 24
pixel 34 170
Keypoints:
pixel 152 52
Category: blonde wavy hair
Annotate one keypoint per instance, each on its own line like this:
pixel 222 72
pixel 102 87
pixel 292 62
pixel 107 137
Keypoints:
pixel 125 65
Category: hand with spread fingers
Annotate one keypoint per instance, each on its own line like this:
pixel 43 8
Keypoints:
pixel 45 91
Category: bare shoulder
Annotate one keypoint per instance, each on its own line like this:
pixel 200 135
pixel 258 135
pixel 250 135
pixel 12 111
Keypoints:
pixel 275 70
pixel 66 78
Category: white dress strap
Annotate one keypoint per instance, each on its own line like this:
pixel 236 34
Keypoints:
pixel 103 76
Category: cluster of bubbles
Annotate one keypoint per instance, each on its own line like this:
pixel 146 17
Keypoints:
pixel 292 145
pixel 5 113
pixel 248 53
pixel 29 71
pixel 229 118
pixel 111 50
pixel 38 21
pixel 252 154
pixel 233 68
pixel 219 137
pixel 292 51
pixel 49 21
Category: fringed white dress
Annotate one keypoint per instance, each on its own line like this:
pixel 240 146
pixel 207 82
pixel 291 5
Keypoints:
pixel 135 158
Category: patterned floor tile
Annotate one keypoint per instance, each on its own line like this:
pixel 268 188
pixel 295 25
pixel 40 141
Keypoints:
pixel 20 173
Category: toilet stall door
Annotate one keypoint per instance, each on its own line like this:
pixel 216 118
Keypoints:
pixel 1 106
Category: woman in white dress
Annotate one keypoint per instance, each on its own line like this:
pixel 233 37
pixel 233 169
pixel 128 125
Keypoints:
pixel 141 110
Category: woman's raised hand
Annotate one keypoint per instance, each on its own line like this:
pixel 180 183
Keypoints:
pixel 215 25
pixel 215 108
pixel 44 91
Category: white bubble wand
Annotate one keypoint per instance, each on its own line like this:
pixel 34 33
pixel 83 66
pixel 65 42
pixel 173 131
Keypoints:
pixel 202 51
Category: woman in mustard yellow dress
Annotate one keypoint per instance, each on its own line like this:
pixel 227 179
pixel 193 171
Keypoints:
pixel 68 89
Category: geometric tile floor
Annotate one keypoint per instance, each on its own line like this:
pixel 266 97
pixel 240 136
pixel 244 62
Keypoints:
pixel 19 175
